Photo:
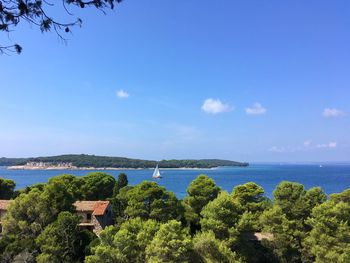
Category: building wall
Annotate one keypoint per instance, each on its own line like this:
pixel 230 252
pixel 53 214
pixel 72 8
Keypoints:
pixel 100 222
pixel 84 216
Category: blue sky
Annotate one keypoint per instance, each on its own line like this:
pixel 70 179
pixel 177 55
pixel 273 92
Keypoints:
pixel 241 80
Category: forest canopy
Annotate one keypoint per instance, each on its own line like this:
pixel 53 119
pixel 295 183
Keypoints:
pixel 150 224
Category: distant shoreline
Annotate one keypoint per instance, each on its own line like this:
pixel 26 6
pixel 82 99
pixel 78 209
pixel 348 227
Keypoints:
pixel 58 168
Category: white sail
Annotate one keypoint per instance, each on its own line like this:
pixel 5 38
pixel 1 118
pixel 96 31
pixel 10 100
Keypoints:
pixel 156 173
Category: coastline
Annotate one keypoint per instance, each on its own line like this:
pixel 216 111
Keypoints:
pixel 58 168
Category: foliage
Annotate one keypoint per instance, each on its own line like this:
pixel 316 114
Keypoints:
pixel 171 243
pixel 209 249
pixel 301 225
pixel 97 186
pixel 128 244
pixel 6 188
pixel 62 241
pixel 120 203
pixel 250 196
pixel 12 161
pixel 31 212
pixel 121 182
pixel 252 201
pixel 27 215
pixel 221 216
pixel 35 12
pixel 287 219
pixel 329 239
pixel 60 193
pixel 200 192
pixel 39 186
pixel 148 200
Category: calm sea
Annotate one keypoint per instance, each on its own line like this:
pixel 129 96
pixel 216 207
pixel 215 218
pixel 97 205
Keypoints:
pixel 332 178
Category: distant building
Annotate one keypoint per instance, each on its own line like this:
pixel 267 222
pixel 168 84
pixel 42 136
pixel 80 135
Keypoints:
pixel 95 215
pixel 3 209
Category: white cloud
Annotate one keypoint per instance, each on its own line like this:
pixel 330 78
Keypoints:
pixel 256 109
pixel 307 143
pixel 122 94
pixel 330 145
pixel 307 146
pixel 332 113
pixel 277 149
pixel 215 106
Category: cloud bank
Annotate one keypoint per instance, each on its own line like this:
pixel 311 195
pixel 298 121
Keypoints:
pixel 329 145
pixel 215 106
pixel 122 94
pixel 256 109
pixel 332 113
pixel 307 145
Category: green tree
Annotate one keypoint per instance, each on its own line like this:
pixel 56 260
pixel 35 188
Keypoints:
pixel 27 189
pixel 200 192
pixel 104 250
pixel 287 196
pixel 30 213
pixel 250 196
pixel 170 244
pixel 209 249
pixel 60 193
pixel 252 201
pixel 26 217
pixel 128 244
pixel 61 241
pixel 148 200
pixel 221 216
pixel 97 186
pixel 329 239
pixel 312 198
pixel 120 203
pixel 6 188
pixel 286 236
pixel 121 182
pixel 287 220
pixel 341 197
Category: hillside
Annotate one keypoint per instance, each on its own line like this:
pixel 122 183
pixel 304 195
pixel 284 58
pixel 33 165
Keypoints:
pixel 84 160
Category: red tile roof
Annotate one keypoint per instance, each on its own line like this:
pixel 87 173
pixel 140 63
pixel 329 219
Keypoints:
pixel 4 204
pixel 98 208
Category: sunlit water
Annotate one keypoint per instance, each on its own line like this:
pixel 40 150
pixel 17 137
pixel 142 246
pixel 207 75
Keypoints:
pixel 332 178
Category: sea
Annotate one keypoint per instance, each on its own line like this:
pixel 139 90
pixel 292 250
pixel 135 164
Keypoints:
pixel 332 178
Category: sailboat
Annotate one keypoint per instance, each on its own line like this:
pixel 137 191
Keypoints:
pixel 156 173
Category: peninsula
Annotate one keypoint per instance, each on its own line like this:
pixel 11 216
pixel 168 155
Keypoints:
pixel 84 161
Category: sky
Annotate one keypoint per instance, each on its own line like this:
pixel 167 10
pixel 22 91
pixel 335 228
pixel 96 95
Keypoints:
pixel 248 80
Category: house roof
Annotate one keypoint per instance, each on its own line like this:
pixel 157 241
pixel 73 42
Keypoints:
pixel 4 204
pixel 100 208
pixel 97 208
